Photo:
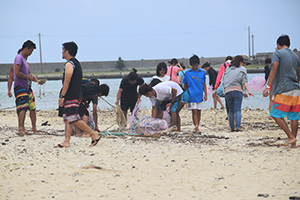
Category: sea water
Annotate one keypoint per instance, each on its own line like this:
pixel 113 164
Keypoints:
pixel 46 96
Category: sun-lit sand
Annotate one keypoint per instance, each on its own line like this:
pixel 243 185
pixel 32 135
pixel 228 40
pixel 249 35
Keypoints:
pixel 217 164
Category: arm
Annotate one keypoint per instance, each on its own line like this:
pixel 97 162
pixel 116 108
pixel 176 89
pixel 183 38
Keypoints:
pixel 174 92
pixel 247 88
pixel 22 75
pixel 95 116
pixel 272 75
pixel 119 95
pixel 9 81
pixel 68 75
pixel 180 68
pixel 205 91
pixel 219 77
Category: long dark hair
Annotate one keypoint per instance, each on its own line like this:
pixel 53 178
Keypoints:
pixel 132 76
pixel 236 61
pixel 161 66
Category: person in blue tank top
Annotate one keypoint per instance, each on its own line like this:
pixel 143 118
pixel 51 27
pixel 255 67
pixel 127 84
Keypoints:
pixel 194 82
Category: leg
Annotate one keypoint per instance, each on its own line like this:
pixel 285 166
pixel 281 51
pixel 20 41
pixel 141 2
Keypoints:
pixel 294 125
pixel 159 114
pixel 237 108
pixel 195 119
pixel 68 132
pixel 32 115
pixel 230 105
pixel 181 105
pixel 282 124
pixel 219 100
pixel 173 118
pixel 214 96
pixel 21 120
pixel 199 119
pixel 86 120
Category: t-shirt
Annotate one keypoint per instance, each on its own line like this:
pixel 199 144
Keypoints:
pixel 195 83
pixel 164 91
pixel 181 74
pixel 286 77
pixel 173 76
pixel 20 60
pixel 74 91
pixel 162 79
pixel 89 92
pixel 128 88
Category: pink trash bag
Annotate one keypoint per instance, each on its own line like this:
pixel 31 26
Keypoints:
pixel 257 84
pixel 140 123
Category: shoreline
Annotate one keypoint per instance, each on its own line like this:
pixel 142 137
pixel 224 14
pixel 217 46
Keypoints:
pixel 4 78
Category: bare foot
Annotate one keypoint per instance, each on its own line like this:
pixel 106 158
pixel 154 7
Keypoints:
pixel 290 141
pixel 62 145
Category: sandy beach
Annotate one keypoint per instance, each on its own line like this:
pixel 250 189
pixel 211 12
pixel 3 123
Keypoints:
pixel 216 164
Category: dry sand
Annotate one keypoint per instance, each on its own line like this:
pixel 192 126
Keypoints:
pixel 217 164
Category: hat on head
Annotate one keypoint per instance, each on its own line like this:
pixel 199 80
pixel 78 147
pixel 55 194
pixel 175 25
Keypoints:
pixel 246 59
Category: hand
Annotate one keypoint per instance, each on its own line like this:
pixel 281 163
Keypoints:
pixel 265 92
pixel 168 106
pixel 245 95
pixel 9 94
pixel 33 78
pixel 97 129
pixel 117 102
pixel 61 102
pixel 205 97
pixel 250 94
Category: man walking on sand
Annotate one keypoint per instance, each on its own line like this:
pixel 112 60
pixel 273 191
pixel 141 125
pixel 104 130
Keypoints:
pixel 70 96
pixel 22 77
pixel 285 78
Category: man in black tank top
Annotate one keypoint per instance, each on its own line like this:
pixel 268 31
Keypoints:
pixel 70 96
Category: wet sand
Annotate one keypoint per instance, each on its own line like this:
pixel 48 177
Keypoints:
pixel 216 164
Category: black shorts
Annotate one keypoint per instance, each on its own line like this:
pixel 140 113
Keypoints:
pixel 128 102
pixel 82 110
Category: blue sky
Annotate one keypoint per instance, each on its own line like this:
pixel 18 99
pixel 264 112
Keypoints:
pixel 145 29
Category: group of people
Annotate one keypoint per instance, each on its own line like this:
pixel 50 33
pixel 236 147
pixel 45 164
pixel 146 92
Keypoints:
pixel 169 90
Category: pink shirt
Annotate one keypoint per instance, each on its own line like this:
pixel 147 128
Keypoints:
pixel 220 73
pixel 173 76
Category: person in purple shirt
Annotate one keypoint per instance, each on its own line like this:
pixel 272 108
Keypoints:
pixel 21 84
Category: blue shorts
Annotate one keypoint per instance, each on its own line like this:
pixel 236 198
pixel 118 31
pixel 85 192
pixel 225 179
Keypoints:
pixel 173 107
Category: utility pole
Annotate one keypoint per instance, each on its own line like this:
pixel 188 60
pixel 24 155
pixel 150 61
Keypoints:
pixel 41 62
pixel 252 46
pixel 249 42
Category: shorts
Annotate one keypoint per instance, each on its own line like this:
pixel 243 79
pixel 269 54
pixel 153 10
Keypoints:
pixel 22 99
pixel 83 110
pixel 286 104
pixel 186 97
pixel 162 106
pixel 31 101
pixel 195 106
pixel 71 110
pixel 128 102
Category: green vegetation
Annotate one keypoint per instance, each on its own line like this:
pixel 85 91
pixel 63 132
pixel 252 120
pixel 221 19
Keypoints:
pixel 120 64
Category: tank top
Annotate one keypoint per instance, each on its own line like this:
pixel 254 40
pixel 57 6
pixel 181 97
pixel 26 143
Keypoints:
pixel 74 90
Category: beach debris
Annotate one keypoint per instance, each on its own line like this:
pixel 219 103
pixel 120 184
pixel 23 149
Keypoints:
pixel 263 195
pixel 294 197
pixel 45 124
pixel 92 166
pixel 121 120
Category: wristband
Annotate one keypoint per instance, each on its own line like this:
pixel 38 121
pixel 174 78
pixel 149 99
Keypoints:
pixel 267 87
pixel 62 96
